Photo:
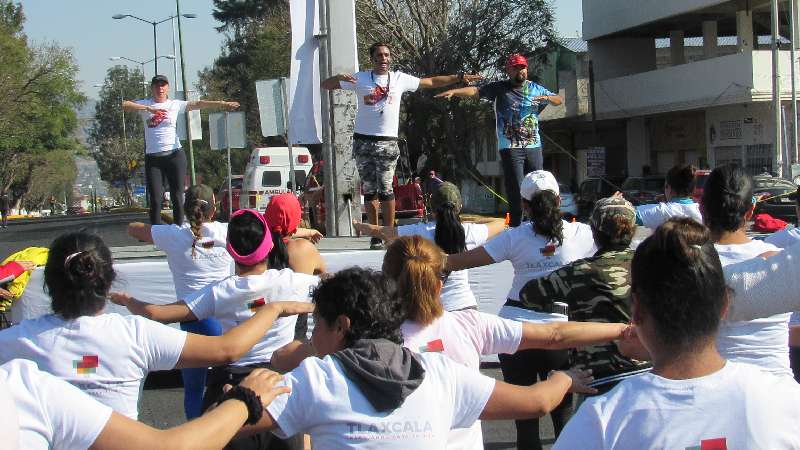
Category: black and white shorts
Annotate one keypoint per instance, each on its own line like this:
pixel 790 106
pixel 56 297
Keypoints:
pixel 376 161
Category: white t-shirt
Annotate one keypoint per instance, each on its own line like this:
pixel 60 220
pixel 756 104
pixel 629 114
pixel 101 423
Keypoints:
pixel 160 133
pixel 9 419
pixel 379 114
pixel 52 413
pixel 784 238
pixel 106 356
pixel 652 216
pixel 464 336
pixel 738 407
pixel 327 405
pixel 533 256
pixel 456 293
pixel 761 342
pixel 236 299
pixel 208 264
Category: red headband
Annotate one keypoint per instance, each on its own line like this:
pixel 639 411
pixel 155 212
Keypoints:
pixel 260 254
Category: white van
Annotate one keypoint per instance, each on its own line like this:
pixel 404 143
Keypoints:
pixel 267 174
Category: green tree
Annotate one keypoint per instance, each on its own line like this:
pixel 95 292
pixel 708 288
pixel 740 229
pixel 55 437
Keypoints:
pixel 116 137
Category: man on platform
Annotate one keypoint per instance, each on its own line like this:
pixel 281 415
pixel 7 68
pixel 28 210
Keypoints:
pixel 517 103
pixel 375 148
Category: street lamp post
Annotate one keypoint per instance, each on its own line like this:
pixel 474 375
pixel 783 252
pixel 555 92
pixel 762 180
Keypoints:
pixel 189 145
pixel 155 36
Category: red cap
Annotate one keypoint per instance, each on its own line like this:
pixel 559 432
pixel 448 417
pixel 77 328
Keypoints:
pixel 517 60
pixel 283 214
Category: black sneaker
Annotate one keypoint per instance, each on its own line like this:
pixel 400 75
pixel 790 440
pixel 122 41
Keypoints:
pixel 376 244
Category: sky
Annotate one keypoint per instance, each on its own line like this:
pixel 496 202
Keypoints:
pixel 86 26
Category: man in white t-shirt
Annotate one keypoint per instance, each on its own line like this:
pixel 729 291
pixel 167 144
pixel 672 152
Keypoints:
pixel 375 148
pixel 164 157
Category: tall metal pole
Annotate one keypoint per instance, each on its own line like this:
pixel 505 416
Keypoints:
pixel 228 145
pixel 192 178
pixel 284 91
pixel 175 59
pixel 155 50
pixel 124 134
pixel 331 226
pixel 776 88
pixel 795 153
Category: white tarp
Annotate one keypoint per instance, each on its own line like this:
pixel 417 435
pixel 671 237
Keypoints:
pixel 304 88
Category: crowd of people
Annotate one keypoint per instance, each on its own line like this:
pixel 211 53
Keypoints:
pixel 679 341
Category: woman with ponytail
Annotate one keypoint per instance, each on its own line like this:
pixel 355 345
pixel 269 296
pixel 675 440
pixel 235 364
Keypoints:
pixel 451 235
pixel 416 265
pixel 196 257
pixel 108 355
pixel 727 207
pixel 534 249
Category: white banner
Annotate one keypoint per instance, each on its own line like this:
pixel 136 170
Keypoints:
pixel 342 20
pixel 194 118
pixel 304 88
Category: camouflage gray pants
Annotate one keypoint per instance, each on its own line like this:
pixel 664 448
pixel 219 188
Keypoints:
pixel 376 161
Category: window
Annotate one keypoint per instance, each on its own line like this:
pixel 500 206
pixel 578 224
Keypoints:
pixel 759 158
pixel 271 178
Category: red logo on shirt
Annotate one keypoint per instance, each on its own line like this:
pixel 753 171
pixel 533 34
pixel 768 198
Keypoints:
pixel 711 444
pixel 548 250
pixel 255 304
pixel 378 93
pixel 158 117
pixel 436 346
pixel 86 365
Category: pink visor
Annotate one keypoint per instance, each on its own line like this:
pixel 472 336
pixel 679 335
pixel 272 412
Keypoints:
pixel 260 254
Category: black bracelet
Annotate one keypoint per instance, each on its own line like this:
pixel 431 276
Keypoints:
pixel 255 409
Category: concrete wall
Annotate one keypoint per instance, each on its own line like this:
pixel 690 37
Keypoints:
pixel 638 146
pixel 617 57
pixel 604 17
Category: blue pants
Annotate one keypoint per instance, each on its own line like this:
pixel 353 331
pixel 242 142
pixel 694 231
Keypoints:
pixel 194 380
pixel 516 163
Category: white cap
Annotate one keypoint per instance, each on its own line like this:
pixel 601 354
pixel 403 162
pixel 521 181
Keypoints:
pixel 538 180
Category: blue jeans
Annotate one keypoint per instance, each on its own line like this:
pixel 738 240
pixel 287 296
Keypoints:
pixel 194 380
pixel 516 163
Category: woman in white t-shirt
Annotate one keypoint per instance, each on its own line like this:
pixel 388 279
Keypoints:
pixel 365 391
pixel 164 158
pixel 727 207
pixel 196 257
pixel 42 412
pixel 105 354
pixel 451 235
pixel 678 191
pixel 693 398
pixel 416 264
pixel 534 249
pixel 237 298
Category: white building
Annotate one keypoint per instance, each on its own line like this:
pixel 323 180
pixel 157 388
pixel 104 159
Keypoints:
pixel 706 103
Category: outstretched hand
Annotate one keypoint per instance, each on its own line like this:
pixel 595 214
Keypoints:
pixel 5 295
pixel 346 77
pixel 445 94
pixel 26 265
pixel 231 105
pixel 120 298
pixel 470 78
pixel 262 382
pixel 580 380
pixel 631 347
pixel 287 308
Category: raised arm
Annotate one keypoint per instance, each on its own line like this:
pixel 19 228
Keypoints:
pixel 204 351
pixel 529 402
pixel 173 312
pixel 128 106
pixel 563 335
pixel 304 257
pixel 212 104
pixel 447 80
pixel 368 229
pixel 764 287
pixel 334 82
pixel 465 92
pixel 552 99
pixel 140 231
pixel 476 257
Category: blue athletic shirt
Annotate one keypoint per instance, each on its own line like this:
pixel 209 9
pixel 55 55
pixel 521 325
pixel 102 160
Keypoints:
pixel 516 112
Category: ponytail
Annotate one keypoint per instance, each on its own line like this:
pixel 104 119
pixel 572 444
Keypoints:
pixel 449 234
pixel 546 216
pixel 198 205
pixel 278 258
pixel 416 265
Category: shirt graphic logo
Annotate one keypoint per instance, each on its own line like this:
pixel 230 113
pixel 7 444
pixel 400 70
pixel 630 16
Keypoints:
pixel 548 250
pixel 158 117
pixel 378 93
pixel 86 365
pixel 255 304
pixel 436 346
pixel 711 444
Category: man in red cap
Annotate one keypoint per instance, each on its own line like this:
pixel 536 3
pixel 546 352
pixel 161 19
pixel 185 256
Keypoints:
pixel 517 103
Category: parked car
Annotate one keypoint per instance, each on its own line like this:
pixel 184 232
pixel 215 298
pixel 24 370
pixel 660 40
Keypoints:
pixel 568 205
pixel 76 210
pixel 771 188
pixel 593 189
pixel 643 190
pixel 222 196
pixel 700 177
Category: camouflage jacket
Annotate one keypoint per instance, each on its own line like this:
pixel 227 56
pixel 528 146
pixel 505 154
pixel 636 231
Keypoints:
pixel 597 289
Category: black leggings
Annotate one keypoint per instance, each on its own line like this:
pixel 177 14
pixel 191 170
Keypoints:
pixel 157 167
pixel 525 368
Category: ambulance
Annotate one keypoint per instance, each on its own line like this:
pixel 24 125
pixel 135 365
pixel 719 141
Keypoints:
pixel 268 173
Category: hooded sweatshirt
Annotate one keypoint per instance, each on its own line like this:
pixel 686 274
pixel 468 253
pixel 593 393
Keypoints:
pixel 385 372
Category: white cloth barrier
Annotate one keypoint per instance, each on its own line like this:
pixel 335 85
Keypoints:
pixel 151 281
